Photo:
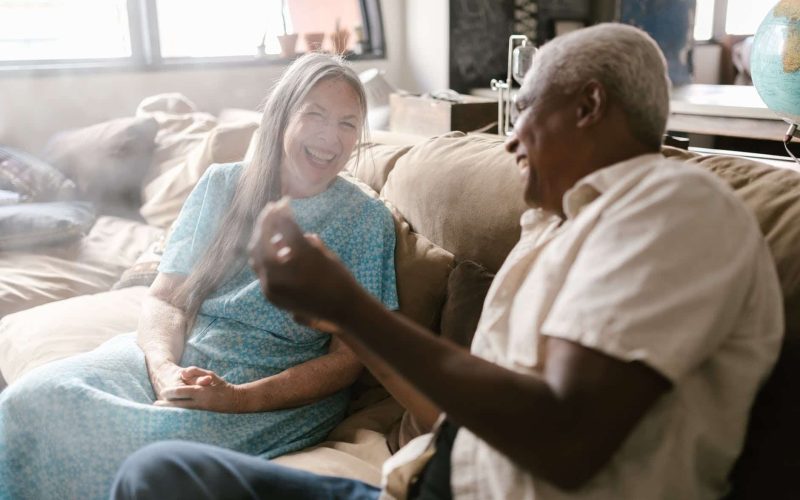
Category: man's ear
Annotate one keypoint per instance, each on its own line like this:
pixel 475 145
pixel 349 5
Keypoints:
pixel 592 103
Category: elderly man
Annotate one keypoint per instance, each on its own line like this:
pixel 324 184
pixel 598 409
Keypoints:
pixel 620 346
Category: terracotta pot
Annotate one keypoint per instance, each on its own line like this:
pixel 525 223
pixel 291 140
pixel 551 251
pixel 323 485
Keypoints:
pixel 314 41
pixel 288 43
pixel 339 41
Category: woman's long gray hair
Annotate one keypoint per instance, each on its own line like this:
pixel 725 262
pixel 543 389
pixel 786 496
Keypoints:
pixel 260 181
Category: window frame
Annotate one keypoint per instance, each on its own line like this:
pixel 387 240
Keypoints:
pixel 146 48
pixel 718 20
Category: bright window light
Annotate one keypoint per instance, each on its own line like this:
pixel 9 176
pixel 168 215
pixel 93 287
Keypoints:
pixel 218 28
pixel 63 29
pixel 744 16
pixel 704 20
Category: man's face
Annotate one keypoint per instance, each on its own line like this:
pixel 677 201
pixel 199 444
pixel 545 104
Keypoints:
pixel 542 143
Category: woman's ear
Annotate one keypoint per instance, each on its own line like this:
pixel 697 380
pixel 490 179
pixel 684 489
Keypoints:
pixel 592 103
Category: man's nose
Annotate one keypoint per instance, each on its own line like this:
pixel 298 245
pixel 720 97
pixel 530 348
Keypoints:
pixel 512 142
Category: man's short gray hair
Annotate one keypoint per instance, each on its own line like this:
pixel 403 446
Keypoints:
pixel 626 60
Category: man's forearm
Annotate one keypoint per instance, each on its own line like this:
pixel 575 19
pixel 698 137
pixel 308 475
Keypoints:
pixel 517 414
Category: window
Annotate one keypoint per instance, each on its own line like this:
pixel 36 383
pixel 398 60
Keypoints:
pixel 41 30
pixel 716 18
pixel 152 33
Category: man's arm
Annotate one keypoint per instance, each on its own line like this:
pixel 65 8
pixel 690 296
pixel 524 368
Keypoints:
pixel 563 425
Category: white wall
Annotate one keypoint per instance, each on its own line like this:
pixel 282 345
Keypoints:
pixel 427 25
pixel 32 108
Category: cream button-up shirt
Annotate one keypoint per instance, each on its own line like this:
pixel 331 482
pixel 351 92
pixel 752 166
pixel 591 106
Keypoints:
pixel 657 262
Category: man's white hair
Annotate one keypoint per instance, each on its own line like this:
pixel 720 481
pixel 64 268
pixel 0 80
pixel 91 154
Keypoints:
pixel 625 59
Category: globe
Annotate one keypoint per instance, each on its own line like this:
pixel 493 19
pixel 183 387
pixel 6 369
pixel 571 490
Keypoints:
pixel 775 60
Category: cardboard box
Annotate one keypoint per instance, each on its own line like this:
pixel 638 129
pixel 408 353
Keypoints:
pixel 412 114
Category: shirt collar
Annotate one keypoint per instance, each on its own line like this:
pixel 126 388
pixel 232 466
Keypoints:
pixel 592 186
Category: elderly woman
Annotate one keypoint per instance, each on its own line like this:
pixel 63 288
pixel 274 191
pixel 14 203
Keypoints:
pixel 213 361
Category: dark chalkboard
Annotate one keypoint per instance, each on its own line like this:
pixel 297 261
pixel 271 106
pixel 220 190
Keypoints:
pixel 479 31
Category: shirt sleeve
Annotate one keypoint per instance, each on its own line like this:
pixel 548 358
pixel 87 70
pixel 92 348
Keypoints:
pixel 373 267
pixel 662 277
pixel 197 223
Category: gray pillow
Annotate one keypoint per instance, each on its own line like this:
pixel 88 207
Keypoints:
pixel 108 161
pixel 30 225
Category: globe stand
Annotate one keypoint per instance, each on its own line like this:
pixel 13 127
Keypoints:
pixel 793 131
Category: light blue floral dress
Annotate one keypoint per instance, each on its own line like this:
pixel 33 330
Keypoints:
pixel 66 427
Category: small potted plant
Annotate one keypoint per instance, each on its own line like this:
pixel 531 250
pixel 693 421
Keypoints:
pixel 288 41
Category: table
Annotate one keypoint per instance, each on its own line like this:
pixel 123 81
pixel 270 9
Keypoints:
pixel 723 110
pixel 715 110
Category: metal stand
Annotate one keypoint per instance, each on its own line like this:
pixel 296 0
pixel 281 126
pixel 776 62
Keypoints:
pixel 503 89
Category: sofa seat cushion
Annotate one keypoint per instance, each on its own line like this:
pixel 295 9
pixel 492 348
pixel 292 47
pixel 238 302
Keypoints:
pixel 50 332
pixel 355 449
pixel 88 265
pixel 463 193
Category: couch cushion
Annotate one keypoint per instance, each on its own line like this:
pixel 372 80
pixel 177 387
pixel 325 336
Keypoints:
pixel 54 331
pixel 107 161
pixel 773 195
pixel 89 265
pixel 467 287
pixel 463 193
pixel 164 195
pixel 371 163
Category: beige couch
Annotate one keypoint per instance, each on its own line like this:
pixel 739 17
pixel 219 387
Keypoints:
pixel 455 198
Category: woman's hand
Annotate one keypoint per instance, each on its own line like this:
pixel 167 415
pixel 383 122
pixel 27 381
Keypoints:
pixel 298 273
pixel 165 375
pixel 202 389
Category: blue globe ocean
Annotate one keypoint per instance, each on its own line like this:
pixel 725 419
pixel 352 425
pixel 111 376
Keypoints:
pixel 775 60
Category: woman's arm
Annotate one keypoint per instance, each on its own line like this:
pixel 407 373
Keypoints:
pixel 305 383
pixel 296 386
pixel 162 332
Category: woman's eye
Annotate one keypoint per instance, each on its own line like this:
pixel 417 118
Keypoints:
pixel 348 125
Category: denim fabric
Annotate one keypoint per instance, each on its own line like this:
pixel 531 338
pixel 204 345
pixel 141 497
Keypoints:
pixel 29 225
pixel 179 469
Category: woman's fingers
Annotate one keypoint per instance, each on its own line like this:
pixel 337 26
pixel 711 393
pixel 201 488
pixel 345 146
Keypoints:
pixel 180 392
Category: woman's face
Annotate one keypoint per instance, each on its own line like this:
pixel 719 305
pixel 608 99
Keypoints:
pixel 320 138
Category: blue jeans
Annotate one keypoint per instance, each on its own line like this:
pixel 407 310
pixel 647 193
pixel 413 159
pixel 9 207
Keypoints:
pixel 180 469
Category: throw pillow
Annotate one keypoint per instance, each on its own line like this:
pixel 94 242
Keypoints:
pixel 107 161
pixel 30 225
pixel 33 179
pixel 467 287
pixel 164 196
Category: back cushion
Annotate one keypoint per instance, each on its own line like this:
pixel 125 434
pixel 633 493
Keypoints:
pixel 773 195
pixel 371 163
pixel 463 193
